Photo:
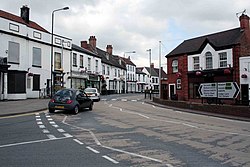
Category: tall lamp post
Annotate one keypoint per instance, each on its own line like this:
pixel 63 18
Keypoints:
pixel 51 58
pixel 149 50
pixel 128 52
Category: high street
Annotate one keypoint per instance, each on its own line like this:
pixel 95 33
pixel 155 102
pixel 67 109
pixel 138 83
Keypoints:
pixel 124 131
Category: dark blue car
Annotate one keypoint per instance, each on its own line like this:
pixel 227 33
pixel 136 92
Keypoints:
pixel 70 100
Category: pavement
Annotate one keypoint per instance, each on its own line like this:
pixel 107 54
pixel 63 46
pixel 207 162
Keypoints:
pixel 18 107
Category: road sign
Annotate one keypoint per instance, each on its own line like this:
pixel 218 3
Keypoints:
pixel 208 90
pixel 224 90
pixel 228 90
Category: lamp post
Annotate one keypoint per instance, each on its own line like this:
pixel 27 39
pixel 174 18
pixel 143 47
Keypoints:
pixel 149 50
pixel 160 69
pixel 128 52
pixel 51 58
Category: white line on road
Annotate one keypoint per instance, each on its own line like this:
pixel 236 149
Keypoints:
pixel 37 116
pixel 51 137
pixel 45 131
pixel 78 141
pixel 50 119
pixel 41 126
pixel 52 122
pixel 38 119
pixel 124 100
pixel 93 150
pixel 48 116
pixel 56 126
pixel 31 142
pixel 110 159
pixel 39 123
pixel 61 130
pixel 67 135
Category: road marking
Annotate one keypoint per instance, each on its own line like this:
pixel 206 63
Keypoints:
pixel 52 136
pixel 56 126
pixel 124 100
pixel 38 119
pixel 113 99
pixel 61 130
pixel 45 131
pixel 103 99
pixel 110 159
pixel 134 100
pixel 39 123
pixel 37 116
pixel 48 116
pixel 41 126
pixel 78 141
pixel 50 119
pixel 52 122
pixel 67 135
pixel 93 150
pixel 31 142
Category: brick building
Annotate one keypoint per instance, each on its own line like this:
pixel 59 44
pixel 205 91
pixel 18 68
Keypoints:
pixel 211 58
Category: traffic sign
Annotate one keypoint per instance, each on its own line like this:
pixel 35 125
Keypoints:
pixel 228 90
pixel 208 90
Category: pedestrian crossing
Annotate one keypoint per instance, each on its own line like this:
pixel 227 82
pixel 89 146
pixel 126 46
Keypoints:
pixel 123 100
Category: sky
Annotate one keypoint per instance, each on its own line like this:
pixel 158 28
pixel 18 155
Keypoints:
pixel 134 25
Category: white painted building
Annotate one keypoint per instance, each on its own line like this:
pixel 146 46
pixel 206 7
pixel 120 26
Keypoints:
pixel 245 78
pixel 27 47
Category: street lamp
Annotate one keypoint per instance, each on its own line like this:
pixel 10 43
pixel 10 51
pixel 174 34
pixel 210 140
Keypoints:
pixel 149 50
pixel 51 58
pixel 128 52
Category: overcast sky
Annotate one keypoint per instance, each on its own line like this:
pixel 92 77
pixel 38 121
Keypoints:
pixel 134 25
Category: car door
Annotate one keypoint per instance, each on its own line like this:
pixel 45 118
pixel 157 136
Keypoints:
pixel 82 99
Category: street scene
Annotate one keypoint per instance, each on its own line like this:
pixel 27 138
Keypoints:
pixel 128 83
pixel 124 130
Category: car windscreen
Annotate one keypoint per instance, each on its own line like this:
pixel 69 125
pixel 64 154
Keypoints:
pixel 90 90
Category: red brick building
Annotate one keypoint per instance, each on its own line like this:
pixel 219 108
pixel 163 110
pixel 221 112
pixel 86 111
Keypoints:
pixel 211 58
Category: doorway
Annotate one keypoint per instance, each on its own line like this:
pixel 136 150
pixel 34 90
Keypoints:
pixel 245 94
pixel 171 91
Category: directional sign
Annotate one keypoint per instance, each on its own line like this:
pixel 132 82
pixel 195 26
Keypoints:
pixel 224 90
pixel 208 90
pixel 228 90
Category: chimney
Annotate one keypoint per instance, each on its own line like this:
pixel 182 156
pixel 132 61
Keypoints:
pixel 128 57
pixel 109 49
pixel 25 13
pixel 152 65
pixel 84 44
pixel 92 42
pixel 244 22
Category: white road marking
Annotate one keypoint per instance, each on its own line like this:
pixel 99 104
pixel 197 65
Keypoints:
pixel 103 99
pixel 50 119
pixel 52 122
pixel 48 116
pixel 52 137
pixel 37 116
pixel 113 99
pixel 61 130
pixel 120 109
pixel 41 126
pixel 78 141
pixel 67 135
pixel 31 142
pixel 93 150
pixel 124 100
pixel 110 159
pixel 134 100
pixel 56 126
pixel 39 123
pixel 45 131
pixel 38 119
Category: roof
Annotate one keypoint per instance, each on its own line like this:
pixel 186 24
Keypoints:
pixel 139 71
pixel 163 74
pixel 83 50
pixel 113 60
pixel 220 40
pixel 155 72
pixel 128 61
pixel 18 19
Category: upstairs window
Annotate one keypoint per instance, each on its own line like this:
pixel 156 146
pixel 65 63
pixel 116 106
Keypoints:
pixel 209 60
pixel 108 70
pixel 223 59
pixel 81 61
pixel 103 69
pixel 58 61
pixel 96 66
pixel 13 52
pixel 74 59
pixel 37 57
pixel 175 66
pixel 89 64
pixel 196 61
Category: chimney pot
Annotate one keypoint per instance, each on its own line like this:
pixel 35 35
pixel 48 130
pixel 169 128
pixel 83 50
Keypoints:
pixel 92 42
pixel 25 12
pixel 109 49
pixel 84 44
pixel 244 22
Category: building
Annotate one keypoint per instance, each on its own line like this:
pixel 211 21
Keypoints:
pixel 26 55
pixel 211 58
pixel 140 80
pixel 131 75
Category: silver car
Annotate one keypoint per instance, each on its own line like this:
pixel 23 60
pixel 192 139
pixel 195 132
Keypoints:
pixel 92 94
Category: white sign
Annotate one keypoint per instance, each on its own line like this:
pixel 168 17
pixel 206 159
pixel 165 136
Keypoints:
pixel 208 90
pixel 224 90
pixel 228 90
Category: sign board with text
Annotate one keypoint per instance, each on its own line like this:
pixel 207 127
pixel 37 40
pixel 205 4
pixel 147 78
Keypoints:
pixel 224 90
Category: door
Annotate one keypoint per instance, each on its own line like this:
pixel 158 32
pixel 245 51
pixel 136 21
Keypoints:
pixel 244 94
pixel 171 91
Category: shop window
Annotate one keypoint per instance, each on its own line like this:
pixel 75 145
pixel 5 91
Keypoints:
pixel 16 82
pixel 175 66
pixel 178 84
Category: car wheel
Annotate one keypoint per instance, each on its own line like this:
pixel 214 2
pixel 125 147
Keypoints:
pixel 51 110
pixel 91 106
pixel 76 110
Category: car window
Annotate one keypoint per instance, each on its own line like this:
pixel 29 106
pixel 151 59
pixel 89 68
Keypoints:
pixel 64 93
pixel 90 90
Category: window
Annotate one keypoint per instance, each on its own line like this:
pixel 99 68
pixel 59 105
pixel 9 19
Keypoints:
pixel 16 82
pixel 96 66
pixel 175 66
pixel 37 57
pixel 223 59
pixel 89 64
pixel 209 60
pixel 58 61
pixel 74 59
pixel 193 90
pixel 13 52
pixel 108 70
pixel 196 63
pixel 119 73
pixel 103 69
pixel 178 84
pixel 115 72
pixel 36 82
pixel 81 61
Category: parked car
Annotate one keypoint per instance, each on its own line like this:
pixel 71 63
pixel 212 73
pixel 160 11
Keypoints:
pixel 71 100
pixel 92 93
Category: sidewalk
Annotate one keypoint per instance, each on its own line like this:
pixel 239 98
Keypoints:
pixel 15 107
